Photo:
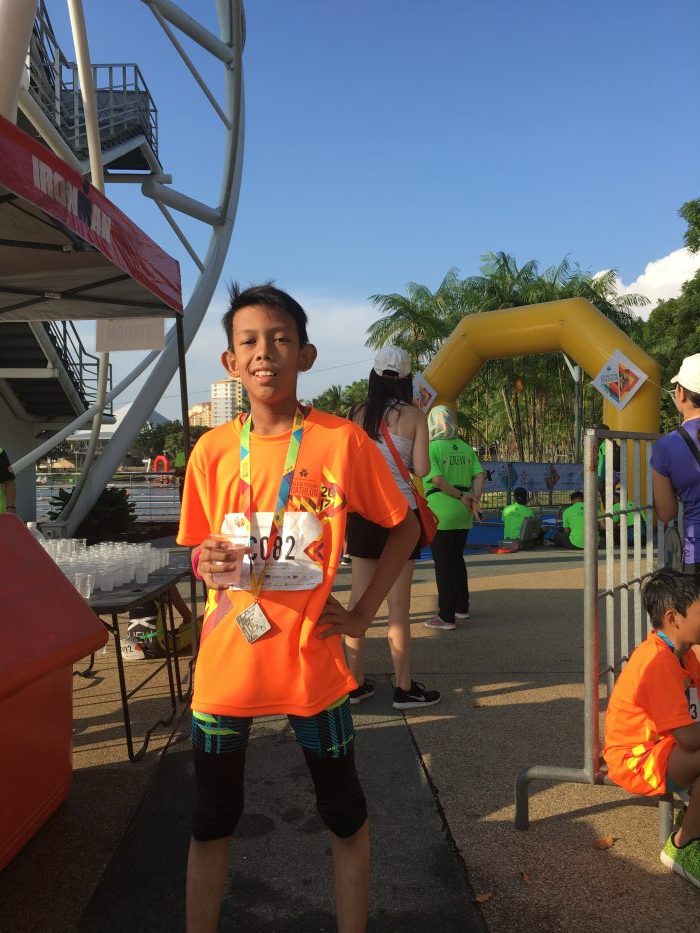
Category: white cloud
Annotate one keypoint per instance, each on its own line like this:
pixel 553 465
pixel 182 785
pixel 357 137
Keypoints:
pixel 662 278
pixel 338 329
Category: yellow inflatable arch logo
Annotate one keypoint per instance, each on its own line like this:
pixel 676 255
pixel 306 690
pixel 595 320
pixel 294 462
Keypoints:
pixel 573 326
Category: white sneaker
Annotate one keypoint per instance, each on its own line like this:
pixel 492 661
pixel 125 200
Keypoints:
pixel 437 622
pixel 461 616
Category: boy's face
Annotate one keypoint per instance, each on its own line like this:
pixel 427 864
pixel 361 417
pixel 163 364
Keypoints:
pixel 266 355
pixel 688 626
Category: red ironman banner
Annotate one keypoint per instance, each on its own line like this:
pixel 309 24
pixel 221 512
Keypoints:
pixel 35 173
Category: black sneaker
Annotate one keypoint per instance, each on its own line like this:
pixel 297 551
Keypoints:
pixel 416 696
pixel 363 692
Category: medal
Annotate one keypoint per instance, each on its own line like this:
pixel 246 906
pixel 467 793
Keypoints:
pixel 252 621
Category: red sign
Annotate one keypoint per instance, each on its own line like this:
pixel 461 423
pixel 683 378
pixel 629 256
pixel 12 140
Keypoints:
pixel 38 175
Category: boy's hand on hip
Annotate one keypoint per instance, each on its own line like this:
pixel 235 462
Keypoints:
pixel 218 555
pixel 340 621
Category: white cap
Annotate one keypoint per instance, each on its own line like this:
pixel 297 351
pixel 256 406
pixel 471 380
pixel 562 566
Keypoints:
pixel 689 373
pixel 393 360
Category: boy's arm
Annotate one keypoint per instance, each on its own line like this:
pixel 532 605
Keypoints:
pixel 401 541
pixel 688 737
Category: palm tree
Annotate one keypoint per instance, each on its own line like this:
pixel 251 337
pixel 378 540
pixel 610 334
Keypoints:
pixel 331 400
pixel 512 396
pixel 418 321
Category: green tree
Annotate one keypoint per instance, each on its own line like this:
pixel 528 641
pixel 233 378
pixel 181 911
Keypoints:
pixel 331 400
pixel 338 400
pixel 690 212
pixel 512 403
pixel 355 393
pixel 418 321
pixel 112 517
pixel 671 333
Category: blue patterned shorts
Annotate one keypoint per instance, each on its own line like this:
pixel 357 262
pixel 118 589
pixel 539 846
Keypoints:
pixel 328 734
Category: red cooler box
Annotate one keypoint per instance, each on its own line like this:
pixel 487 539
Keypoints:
pixel 45 626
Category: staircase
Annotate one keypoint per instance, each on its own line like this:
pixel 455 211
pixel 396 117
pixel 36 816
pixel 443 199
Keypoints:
pixel 127 116
pixel 46 375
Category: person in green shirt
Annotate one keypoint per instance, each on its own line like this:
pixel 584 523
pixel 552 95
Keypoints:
pixel 630 519
pixel 571 533
pixel 453 488
pixel 514 515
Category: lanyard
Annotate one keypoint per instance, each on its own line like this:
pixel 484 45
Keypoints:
pixel 667 641
pixel 256 579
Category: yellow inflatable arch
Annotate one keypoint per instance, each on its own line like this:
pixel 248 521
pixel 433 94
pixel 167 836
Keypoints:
pixel 573 326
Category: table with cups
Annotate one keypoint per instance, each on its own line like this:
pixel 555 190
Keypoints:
pixel 114 578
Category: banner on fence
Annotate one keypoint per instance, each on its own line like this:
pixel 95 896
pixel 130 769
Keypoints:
pixel 535 477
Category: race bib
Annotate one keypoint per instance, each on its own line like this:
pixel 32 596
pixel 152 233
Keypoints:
pixel 693 704
pixel 296 562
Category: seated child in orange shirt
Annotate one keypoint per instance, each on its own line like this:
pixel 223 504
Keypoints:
pixel 652 727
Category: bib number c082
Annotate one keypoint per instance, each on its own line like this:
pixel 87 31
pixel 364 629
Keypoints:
pixel 290 566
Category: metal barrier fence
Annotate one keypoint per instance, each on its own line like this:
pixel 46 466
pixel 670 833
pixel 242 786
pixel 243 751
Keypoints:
pixel 626 622
pixel 155 496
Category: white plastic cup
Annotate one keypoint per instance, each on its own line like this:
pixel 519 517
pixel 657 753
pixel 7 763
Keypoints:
pixel 84 584
pixel 142 571
pixel 229 578
pixel 104 580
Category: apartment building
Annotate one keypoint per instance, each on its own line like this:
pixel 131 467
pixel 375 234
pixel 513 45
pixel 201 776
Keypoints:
pixel 227 397
pixel 200 415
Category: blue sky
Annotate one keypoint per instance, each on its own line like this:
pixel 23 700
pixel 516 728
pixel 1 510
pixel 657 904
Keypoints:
pixel 387 141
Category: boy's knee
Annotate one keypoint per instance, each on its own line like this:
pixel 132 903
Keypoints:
pixel 216 815
pixel 219 793
pixel 340 799
pixel 344 814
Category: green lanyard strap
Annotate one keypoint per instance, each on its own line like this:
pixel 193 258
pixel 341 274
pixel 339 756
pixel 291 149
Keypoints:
pixel 256 579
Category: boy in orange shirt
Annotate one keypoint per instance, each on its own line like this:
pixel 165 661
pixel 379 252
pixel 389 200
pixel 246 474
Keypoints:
pixel 652 726
pixel 278 484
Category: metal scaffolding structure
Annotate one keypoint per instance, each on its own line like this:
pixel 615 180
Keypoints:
pixel 56 97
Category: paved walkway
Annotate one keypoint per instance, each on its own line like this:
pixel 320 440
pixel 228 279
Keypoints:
pixel 439 782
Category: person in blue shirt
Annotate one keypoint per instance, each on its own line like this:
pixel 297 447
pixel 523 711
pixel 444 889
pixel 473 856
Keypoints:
pixel 675 463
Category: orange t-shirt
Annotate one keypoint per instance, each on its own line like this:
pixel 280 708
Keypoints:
pixel 339 469
pixel 650 699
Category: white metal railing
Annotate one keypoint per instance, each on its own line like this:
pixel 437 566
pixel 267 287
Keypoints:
pixel 156 496
pixel 125 106
pixel 618 589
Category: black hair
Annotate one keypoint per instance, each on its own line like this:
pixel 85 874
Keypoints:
pixel 693 397
pixel 385 392
pixel 576 495
pixel 669 589
pixel 520 495
pixel 265 296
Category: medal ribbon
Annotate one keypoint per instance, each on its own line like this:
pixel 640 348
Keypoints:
pixel 257 579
